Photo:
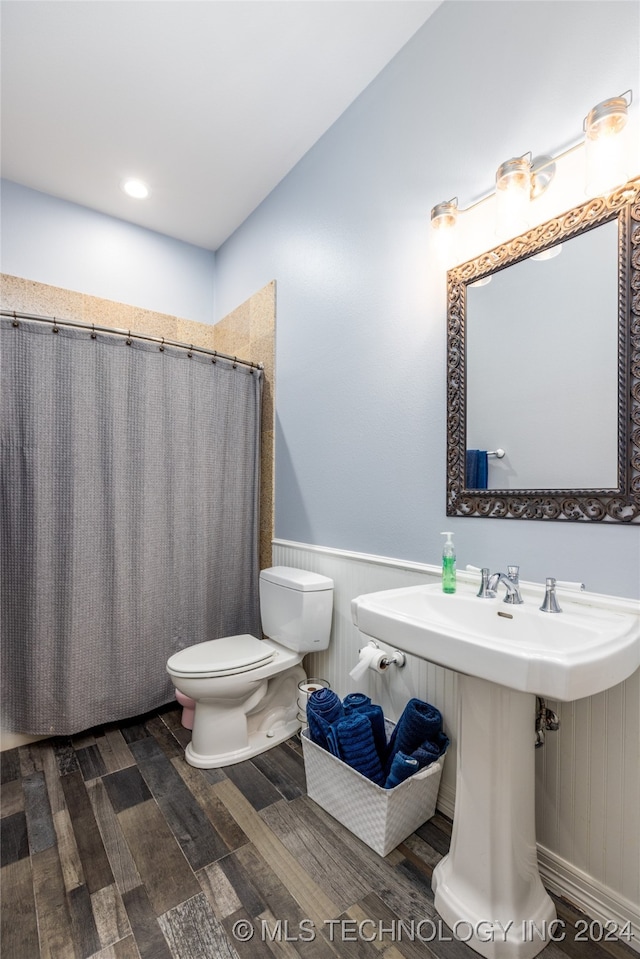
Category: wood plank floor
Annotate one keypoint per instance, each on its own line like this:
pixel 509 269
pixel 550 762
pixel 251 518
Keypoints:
pixel 113 847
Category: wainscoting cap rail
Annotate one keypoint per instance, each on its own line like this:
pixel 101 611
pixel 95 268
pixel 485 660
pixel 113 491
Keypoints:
pixel 129 334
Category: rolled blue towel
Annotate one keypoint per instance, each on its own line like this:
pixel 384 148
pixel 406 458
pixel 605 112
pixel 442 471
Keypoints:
pixel 376 718
pixel 351 740
pixel 323 709
pixel 430 750
pixel 358 702
pixel 419 722
pixel 355 701
pixel 401 768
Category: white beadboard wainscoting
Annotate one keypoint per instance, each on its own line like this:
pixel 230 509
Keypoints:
pixel 587 774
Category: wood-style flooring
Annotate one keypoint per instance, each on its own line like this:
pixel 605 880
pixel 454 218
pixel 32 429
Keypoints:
pixel 113 847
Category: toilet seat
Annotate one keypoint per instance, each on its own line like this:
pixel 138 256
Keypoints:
pixel 221 657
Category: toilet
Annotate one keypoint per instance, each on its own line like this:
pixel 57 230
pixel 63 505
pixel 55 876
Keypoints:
pixel 244 688
pixel 188 709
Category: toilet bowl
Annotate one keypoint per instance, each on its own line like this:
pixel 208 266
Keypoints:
pixel 245 688
pixel 188 709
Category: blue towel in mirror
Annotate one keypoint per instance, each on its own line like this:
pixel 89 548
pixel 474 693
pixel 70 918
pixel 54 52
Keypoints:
pixel 323 709
pixel 401 768
pixel 477 469
pixel 351 740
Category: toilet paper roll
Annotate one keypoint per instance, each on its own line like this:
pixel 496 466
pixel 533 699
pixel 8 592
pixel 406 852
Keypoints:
pixel 370 658
pixel 304 691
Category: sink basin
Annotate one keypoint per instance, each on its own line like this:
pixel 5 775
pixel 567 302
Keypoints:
pixel 576 653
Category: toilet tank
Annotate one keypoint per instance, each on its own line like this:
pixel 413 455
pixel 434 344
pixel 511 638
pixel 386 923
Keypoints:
pixel 296 608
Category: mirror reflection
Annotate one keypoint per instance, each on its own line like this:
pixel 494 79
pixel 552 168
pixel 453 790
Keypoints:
pixel 543 359
pixel 542 364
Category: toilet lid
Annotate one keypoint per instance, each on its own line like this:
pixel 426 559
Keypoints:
pixel 228 654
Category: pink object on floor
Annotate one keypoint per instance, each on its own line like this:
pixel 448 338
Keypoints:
pixel 188 709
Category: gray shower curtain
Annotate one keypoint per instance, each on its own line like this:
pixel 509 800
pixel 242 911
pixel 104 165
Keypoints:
pixel 129 483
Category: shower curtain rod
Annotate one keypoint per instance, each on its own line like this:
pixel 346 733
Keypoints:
pixel 216 354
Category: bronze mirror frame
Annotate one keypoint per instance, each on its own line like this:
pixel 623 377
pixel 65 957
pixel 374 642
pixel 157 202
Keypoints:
pixel 619 505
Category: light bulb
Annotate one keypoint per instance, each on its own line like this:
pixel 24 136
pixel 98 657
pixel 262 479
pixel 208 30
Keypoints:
pixel 513 196
pixel 444 215
pixel 604 147
pixel 443 220
pixel 548 254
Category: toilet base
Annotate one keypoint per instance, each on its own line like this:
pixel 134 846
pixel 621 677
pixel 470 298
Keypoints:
pixel 228 731
pixel 260 740
pixel 188 709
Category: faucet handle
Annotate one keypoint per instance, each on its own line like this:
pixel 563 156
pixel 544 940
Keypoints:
pixel 485 592
pixel 513 572
pixel 550 602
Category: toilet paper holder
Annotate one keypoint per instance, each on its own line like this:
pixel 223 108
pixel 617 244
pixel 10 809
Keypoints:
pixel 396 658
pixel 372 656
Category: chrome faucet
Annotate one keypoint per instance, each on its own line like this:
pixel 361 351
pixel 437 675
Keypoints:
pixel 511 579
pixel 550 602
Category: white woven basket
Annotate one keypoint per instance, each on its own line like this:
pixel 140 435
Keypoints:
pixel 382 818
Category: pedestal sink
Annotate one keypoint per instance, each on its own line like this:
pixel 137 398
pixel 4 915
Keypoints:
pixel 488 889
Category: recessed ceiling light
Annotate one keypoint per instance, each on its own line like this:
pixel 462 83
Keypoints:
pixel 136 189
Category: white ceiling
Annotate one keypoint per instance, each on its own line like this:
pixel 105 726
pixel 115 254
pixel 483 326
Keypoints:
pixel 212 102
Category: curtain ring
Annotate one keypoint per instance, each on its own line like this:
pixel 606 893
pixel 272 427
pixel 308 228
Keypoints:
pixel 54 329
pixel 235 365
pixel 15 319
pixel 161 347
pixel 215 353
pixel 190 354
pixel 128 340
pixel 93 331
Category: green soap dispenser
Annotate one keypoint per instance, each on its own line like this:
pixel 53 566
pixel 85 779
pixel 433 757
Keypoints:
pixel 448 565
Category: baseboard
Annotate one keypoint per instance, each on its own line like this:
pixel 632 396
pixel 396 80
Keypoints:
pixel 599 902
pixel 446 800
pixel 11 740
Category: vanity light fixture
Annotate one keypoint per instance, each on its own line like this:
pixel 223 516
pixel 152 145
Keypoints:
pixel 513 194
pixel 137 189
pixel 604 158
pixel 443 221
pixel 522 179
pixel 444 215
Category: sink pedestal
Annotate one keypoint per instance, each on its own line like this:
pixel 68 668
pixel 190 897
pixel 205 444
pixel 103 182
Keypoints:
pixel 488 889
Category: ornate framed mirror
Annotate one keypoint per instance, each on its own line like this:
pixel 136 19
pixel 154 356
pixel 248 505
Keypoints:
pixel 543 370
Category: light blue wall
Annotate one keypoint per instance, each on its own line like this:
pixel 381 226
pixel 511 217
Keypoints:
pixel 361 348
pixel 52 241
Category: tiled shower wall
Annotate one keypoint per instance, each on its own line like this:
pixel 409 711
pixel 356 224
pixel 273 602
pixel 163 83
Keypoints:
pixel 248 333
